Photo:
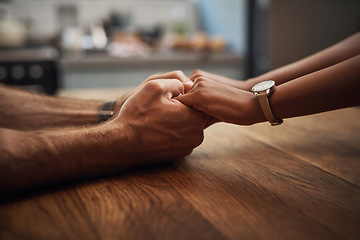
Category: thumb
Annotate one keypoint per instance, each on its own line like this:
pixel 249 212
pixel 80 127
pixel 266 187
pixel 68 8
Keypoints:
pixel 187 99
pixel 188 85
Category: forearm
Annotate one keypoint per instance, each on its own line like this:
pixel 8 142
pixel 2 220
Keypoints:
pixel 33 158
pixel 24 110
pixel 328 89
pixel 337 53
pixel 150 127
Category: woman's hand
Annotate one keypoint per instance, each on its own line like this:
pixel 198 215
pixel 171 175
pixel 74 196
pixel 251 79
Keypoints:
pixel 223 102
pixel 244 85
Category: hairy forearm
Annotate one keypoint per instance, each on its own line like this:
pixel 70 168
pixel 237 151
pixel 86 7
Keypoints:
pixel 331 88
pixel 149 127
pixel 33 158
pixel 337 53
pixel 23 110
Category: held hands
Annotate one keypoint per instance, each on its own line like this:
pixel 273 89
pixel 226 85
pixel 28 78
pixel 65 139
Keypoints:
pixel 222 98
pixel 179 75
pixel 159 126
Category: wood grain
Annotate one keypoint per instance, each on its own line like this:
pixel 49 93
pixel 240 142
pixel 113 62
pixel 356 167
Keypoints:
pixel 297 181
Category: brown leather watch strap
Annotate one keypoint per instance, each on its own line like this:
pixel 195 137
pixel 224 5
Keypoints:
pixel 265 107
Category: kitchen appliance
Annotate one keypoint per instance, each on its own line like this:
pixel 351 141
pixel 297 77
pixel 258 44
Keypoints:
pixel 34 68
pixel 13 33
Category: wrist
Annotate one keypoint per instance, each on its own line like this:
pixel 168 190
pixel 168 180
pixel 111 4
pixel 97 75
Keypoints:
pixel 248 84
pixel 106 111
pixel 76 113
pixel 114 146
pixel 253 111
pixel 262 92
pixel 247 110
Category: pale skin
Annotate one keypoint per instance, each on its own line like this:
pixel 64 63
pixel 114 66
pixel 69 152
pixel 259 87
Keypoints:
pixel 325 81
pixel 51 139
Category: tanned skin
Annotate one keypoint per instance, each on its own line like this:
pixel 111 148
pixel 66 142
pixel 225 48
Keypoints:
pixel 46 139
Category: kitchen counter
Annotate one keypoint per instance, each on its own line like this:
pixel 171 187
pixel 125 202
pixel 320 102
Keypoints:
pixel 300 180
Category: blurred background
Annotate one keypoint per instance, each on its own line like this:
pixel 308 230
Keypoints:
pixel 47 45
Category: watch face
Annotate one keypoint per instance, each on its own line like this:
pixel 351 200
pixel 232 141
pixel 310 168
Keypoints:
pixel 262 86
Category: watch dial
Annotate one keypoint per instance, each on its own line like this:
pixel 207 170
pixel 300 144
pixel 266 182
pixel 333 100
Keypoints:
pixel 262 86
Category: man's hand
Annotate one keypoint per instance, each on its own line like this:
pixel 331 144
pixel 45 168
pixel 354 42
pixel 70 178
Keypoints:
pixel 179 75
pixel 161 128
pixel 151 127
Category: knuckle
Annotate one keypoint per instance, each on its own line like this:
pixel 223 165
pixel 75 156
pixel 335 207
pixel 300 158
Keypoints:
pixel 195 76
pixel 178 73
pixel 200 80
pixel 154 85
pixel 202 85
pixel 151 77
pixel 197 72
pixel 154 76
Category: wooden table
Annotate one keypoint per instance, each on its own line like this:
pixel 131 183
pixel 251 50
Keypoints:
pixel 300 180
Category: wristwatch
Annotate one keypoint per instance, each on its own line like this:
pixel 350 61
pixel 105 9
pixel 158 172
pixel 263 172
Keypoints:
pixel 262 90
pixel 106 111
